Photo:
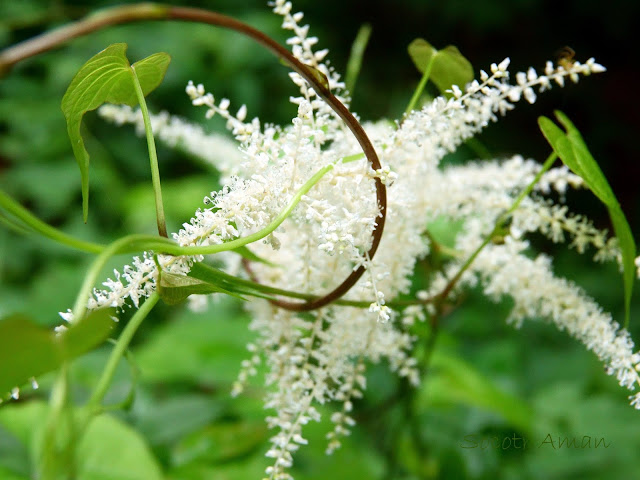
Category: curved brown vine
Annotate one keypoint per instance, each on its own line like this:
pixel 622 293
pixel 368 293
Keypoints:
pixel 139 12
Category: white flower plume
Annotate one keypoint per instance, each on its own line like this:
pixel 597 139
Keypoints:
pixel 317 358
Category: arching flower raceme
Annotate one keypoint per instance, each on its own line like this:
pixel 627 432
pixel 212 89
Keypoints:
pixel 320 357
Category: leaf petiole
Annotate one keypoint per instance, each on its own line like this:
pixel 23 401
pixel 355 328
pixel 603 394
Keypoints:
pixel 420 88
pixel 153 157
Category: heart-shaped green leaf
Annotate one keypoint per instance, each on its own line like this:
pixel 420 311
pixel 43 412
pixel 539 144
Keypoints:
pixel 28 350
pixel 573 152
pixel 449 67
pixel 106 78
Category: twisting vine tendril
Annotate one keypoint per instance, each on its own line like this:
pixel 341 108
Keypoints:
pixel 149 11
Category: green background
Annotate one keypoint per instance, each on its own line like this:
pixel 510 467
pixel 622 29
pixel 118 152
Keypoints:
pixel 487 380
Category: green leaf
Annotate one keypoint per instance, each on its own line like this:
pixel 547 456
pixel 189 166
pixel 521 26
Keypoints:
pixel 106 78
pixel 28 350
pixel 245 252
pixel 110 449
pixel 174 289
pixel 204 279
pixel 219 279
pixel 628 249
pixel 573 152
pixel 87 334
pixel 449 68
pixel 355 57
pixel 455 380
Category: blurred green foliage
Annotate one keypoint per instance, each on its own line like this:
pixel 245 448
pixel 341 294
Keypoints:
pixel 486 380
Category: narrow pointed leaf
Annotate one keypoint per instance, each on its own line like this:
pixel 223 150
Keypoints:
pixel 174 289
pixel 449 68
pixel 590 168
pixel 573 152
pixel 628 249
pixel 355 58
pixel 215 277
pixel 245 252
pixel 560 144
pixel 106 78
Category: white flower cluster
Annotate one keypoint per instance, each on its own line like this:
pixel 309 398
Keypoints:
pixel 537 293
pixel 317 358
pixel 214 149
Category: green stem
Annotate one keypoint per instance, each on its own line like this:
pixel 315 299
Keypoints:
pixel 80 306
pixel 239 242
pixel 12 224
pixel 500 222
pixel 37 225
pixel 59 432
pixel 149 11
pixel 153 158
pixel 430 346
pixel 225 278
pixel 17 210
pixel 173 249
pixel 525 193
pixel 93 405
pixel 352 158
pixel 421 85
pixel 132 243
